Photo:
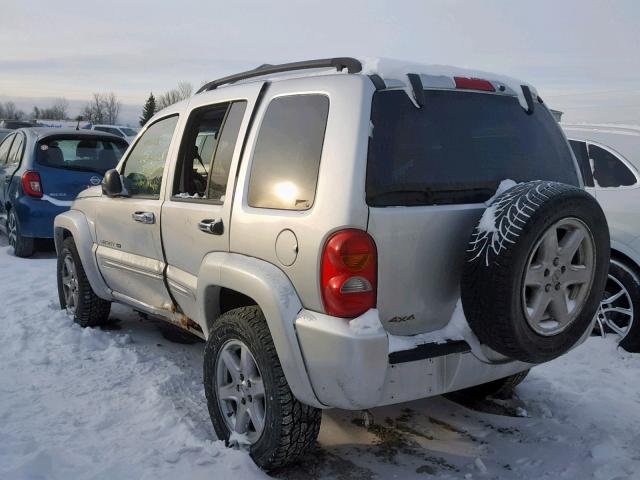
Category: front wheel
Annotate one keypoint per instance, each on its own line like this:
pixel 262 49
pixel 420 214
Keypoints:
pixel 74 290
pixel 621 305
pixel 248 396
pixel 22 246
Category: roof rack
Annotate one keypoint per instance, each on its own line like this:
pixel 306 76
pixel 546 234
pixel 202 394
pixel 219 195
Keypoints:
pixel 339 63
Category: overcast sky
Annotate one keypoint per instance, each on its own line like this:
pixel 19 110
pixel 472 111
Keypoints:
pixel 582 55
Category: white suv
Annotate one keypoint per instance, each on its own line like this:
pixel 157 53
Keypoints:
pixel 323 226
pixel 609 157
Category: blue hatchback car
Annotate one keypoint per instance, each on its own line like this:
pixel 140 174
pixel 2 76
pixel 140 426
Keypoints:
pixel 42 170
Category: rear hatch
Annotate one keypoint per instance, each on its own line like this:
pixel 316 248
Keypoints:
pixel 68 165
pixel 429 171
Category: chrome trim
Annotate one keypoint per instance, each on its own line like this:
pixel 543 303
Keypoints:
pixel 117 265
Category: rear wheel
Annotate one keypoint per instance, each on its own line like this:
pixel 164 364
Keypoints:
pixel 74 290
pixel 620 306
pixel 248 396
pixel 22 246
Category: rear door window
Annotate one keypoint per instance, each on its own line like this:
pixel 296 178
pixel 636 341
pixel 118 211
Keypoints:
pixel 5 147
pixel 287 154
pixel 206 151
pixel 582 156
pixel 458 147
pixel 608 170
pixel 15 154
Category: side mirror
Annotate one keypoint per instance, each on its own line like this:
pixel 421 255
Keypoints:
pixel 112 184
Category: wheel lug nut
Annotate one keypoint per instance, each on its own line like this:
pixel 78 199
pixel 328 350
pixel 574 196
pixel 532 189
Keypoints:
pixel 556 262
pixel 547 287
pixel 563 269
pixel 238 387
pixel 250 398
pixel 557 286
pixel 241 377
pixel 248 383
pixel 243 401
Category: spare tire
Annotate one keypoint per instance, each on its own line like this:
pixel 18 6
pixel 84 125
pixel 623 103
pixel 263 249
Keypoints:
pixel 535 270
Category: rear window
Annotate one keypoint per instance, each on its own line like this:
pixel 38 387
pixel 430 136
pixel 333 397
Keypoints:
pixel 87 154
pixel 458 147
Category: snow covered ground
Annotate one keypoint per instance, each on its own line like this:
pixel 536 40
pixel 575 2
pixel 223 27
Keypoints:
pixel 125 403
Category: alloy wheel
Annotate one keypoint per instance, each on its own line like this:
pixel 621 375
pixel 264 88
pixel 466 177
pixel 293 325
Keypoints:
pixel 558 277
pixel 616 311
pixel 69 278
pixel 240 390
pixel 12 229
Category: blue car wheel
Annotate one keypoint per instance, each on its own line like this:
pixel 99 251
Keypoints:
pixel 22 246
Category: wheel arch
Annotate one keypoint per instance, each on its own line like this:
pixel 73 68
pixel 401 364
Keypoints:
pixel 74 224
pixel 254 281
pixel 624 255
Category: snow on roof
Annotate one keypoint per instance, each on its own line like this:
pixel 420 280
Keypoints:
pixel 394 73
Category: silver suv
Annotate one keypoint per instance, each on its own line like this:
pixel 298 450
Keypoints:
pixel 334 233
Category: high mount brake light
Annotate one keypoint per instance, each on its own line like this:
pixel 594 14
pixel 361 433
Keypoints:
pixel 466 83
pixel 31 184
pixel 349 273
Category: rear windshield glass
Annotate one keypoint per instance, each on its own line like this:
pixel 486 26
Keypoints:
pixel 458 147
pixel 88 154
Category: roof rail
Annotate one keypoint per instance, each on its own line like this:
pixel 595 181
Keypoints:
pixel 339 63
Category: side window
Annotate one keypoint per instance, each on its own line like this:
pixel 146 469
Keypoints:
pixel 582 156
pixel 15 154
pixel 5 147
pixel 206 151
pixel 287 155
pixel 608 170
pixel 146 162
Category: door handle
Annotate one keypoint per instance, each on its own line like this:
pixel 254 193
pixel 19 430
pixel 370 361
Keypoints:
pixel 212 226
pixel 144 217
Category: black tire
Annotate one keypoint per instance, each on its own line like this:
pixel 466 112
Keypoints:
pixel 492 287
pixel 22 246
pixel 91 310
pixel 502 388
pixel 628 277
pixel 291 427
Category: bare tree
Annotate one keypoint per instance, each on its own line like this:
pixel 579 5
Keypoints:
pixel 111 107
pixel 11 112
pixel 181 92
pixel 103 108
pixel 60 109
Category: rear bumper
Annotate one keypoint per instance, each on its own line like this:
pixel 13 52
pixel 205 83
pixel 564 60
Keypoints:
pixel 36 215
pixel 353 369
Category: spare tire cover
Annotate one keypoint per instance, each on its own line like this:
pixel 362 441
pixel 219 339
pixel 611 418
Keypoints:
pixel 535 270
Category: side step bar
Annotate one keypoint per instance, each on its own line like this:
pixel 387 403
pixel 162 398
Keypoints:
pixel 429 350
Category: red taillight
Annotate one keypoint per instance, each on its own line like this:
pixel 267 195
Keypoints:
pixel 349 273
pixel 474 84
pixel 31 184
